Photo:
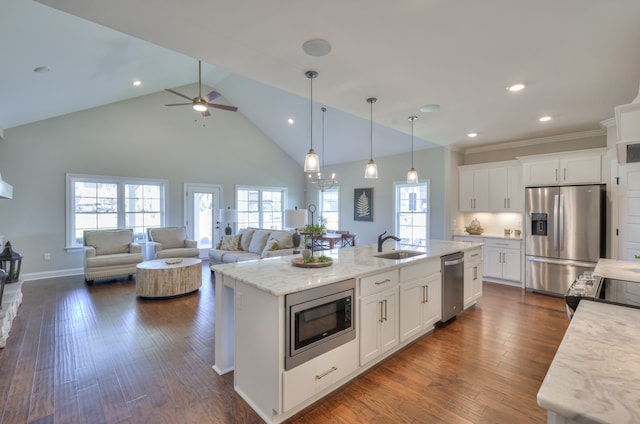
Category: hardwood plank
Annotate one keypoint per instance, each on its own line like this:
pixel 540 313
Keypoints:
pixel 99 354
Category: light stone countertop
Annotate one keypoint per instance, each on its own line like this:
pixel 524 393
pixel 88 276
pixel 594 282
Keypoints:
pixel 487 235
pixel 279 277
pixel 595 374
pixel 618 270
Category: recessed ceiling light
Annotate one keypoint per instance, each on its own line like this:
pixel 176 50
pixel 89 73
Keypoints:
pixel 316 47
pixel 545 119
pixel 41 69
pixel 516 87
pixel 472 135
pixel 291 121
pixel 429 108
pixel 137 83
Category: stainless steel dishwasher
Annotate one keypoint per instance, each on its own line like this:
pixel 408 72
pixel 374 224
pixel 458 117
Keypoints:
pixel 452 285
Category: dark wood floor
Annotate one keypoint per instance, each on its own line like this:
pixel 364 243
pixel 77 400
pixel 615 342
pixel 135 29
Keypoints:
pixel 98 354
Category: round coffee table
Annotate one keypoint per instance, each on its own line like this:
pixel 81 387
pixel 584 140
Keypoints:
pixel 168 277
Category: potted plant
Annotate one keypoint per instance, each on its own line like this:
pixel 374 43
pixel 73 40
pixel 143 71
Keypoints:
pixel 312 232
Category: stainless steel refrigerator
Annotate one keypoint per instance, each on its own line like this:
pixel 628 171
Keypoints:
pixel 564 235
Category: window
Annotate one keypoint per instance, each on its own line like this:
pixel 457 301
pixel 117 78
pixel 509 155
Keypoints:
pixel 102 203
pixel 261 207
pixel 330 208
pixel 412 212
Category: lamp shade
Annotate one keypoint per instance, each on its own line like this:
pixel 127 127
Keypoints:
pixel 228 215
pixel 295 218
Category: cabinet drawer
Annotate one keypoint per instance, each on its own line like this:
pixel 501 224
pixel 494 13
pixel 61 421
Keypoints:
pixel 421 270
pixel 313 376
pixel 378 282
pixel 502 243
pixel 472 256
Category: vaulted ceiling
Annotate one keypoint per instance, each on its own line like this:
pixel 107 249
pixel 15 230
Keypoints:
pixel 578 60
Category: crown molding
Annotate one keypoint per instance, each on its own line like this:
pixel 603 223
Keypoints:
pixel 536 141
pixel 608 122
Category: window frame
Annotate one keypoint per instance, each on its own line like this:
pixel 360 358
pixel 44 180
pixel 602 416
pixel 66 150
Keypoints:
pixel 321 194
pixel 71 180
pixel 261 190
pixel 427 212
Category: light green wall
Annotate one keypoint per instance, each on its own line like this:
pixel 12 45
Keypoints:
pixel 135 138
pixel 430 164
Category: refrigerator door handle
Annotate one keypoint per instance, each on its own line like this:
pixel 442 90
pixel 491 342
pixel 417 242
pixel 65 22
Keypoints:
pixel 559 261
pixel 560 220
pixel 556 205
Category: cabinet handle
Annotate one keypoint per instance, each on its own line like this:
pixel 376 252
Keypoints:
pixel 556 174
pixel 381 316
pixel 383 281
pixel 326 373
pixel 475 254
pixel 426 294
pixel 508 203
pixel 475 272
pixel 565 173
pixel 502 244
pixel 504 203
pixel 385 309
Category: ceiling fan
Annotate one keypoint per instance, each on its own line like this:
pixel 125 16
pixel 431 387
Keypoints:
pixel 201 104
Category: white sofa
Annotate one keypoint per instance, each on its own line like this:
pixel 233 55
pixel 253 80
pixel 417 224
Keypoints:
pixel 250 244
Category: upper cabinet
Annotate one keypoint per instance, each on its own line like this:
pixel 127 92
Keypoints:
pixel 474 189
pixel 577 167
pixel 505 181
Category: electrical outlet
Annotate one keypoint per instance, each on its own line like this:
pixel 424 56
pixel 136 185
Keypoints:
pixel 47 256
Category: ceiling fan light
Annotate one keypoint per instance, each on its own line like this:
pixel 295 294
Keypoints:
pixel 371 171
pixel 311 162
pixel 199 107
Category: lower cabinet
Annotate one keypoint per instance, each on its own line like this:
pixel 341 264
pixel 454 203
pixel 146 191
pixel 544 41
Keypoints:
pixel 378 314
pixel 502 259
pixel 312 377
pixel 472 276
pixel 420 298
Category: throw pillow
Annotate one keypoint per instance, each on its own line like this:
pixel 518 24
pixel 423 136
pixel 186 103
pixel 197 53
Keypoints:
pixel 272 244
pixel 219 244
pixel 283 237
pixel 231 242
pixel 258 240
pixel 247 234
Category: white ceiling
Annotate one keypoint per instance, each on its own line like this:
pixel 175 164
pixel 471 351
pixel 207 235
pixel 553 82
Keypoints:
pixel 578 58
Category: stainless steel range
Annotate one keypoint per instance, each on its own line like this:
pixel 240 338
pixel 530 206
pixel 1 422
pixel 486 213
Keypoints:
pixel 602 289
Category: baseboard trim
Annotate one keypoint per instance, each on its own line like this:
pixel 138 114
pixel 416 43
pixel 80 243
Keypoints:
pixel 53 274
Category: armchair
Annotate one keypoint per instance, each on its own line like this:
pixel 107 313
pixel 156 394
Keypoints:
pixel 110 253
pixel 171 242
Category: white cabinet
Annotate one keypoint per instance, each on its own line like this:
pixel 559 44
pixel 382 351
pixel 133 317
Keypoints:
pixel 305 380
pixel 420 298
pixel 502 259
pixel 506 192
pixel 378 314
pixel 472 276
pixel 474 189
pixel 579 167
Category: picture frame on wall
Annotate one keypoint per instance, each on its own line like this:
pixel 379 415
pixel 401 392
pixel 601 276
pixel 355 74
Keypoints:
pixel 363 204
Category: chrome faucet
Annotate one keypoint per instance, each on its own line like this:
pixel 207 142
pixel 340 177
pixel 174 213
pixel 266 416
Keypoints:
pixel 382 240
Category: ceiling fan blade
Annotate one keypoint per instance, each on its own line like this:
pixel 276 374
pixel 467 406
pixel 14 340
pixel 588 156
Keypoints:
pixel 212 96
pixel 224 107
pixel 179 104
pixel 177 94
pixel 206 113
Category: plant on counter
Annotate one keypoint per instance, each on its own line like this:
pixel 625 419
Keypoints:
pixel 314 229
pixel 321 258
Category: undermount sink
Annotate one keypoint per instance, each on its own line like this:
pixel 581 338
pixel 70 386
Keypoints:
pixel 399 254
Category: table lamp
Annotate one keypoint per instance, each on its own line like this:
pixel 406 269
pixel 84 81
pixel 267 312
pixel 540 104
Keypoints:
pixel 295 218
pixel 228 215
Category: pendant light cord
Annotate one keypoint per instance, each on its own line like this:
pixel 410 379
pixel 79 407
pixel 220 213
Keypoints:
pixel 371 131
pixel 323 109
pixel 412 119
pixel 311 122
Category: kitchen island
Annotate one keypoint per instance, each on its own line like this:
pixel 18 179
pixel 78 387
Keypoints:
pixel 396 301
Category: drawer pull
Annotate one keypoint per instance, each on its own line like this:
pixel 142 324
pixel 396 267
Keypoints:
pixel 383 281
pixel 326 373
pixel 502 244
pixel 475 254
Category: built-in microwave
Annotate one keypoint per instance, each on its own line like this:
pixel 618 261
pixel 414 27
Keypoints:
pixel 318 320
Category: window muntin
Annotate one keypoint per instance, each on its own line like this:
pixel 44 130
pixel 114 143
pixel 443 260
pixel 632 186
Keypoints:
pixel 96 202
pixel 261 207
pixel 330 208
pixel 412 212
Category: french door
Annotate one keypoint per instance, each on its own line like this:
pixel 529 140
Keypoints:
pixel 202 202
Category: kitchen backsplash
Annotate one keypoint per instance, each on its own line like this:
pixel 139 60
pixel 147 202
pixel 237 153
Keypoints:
pixel 493 223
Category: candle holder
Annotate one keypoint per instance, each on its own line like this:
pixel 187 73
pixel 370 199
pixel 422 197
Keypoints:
pixel 11 262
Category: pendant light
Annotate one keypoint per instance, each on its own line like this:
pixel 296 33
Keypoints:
pixel 412 175
pixel 371 171
pixel 323 183
pixel 311 161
